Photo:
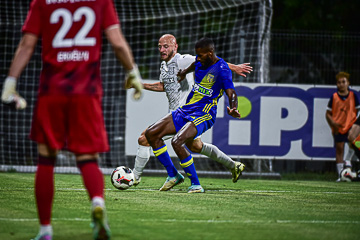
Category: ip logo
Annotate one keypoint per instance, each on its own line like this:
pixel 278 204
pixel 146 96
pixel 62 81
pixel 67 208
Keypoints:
pixel 282 121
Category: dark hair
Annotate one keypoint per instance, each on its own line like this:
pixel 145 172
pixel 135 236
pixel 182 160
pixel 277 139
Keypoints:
pixel 343 74
pixel 205 43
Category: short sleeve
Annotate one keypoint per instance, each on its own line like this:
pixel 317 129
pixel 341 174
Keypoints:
pixel 226 76
pixel 356 98
pixel 32 23
pixel 329 106
pixel 185 61
pixel 109 15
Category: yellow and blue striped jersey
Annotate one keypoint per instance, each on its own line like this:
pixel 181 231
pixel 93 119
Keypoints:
pixel 210 83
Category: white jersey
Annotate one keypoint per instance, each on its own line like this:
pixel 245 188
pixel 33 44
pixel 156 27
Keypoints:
pixel 176 92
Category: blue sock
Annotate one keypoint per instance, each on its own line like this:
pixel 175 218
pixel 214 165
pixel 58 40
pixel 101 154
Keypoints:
pixel 162 154
pixel 188 165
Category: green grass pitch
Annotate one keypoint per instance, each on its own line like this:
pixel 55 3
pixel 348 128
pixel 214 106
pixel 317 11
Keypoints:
pixel 249 209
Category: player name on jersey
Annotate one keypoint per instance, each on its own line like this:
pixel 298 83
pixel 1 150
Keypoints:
pixel 67 1
pixel 74 55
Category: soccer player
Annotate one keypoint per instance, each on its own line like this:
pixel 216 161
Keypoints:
pixel 341 114
pixel 354 137
pixel 68 111
pixel 176 92
pixel 212 78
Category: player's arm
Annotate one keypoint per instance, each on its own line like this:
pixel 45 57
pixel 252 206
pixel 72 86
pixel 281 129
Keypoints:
pixel 233 102
pixel 124 54
pixel 155 87
pixel 182 73
pixel 334 125
pixel 241 69
pixel 21 58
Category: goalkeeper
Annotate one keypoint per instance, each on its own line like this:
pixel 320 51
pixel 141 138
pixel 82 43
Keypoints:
pixel 68 111
pixel 177 93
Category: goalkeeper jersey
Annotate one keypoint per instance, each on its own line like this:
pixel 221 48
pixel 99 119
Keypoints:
pixel 176 92
pixel 210 83
pixel 71 33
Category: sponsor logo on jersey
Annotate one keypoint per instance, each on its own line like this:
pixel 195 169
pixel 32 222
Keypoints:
pixel 202 90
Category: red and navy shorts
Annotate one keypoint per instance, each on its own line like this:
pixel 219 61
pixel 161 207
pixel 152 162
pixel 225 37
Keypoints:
pixel 75 123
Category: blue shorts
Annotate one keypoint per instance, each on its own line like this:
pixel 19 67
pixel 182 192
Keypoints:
pixel 203 121
pixel 340 137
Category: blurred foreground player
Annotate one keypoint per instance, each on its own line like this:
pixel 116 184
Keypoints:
pixel 68 111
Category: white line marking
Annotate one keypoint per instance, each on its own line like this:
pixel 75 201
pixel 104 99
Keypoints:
pixel 53 219
pixel 209 190
pixel 196 221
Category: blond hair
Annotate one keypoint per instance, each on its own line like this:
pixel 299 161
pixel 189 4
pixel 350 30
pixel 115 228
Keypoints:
pixel 343 75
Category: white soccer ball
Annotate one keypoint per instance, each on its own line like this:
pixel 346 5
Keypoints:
pixel 346 175
pixel 122 178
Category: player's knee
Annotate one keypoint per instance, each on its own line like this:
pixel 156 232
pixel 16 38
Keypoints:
pixel 142 140
pixel 177 143
pixel 194 147
pixel 351 136
pixel 149 135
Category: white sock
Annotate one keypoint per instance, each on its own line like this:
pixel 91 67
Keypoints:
pixel 46 229
pixel 349 152
pixel 339 167
pixel 141 159
pixel 216 154
pixel 348 156
pixel 97 201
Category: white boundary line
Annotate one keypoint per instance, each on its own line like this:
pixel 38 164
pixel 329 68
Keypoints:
pixel 277 221
pixel 217 190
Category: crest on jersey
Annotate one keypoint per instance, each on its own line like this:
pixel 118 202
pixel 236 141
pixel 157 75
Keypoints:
pixel 210 78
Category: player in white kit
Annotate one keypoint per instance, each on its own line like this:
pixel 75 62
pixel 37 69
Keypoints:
pixel 177 92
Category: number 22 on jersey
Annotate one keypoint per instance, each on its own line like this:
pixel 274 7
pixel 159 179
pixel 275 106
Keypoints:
pixel 81 38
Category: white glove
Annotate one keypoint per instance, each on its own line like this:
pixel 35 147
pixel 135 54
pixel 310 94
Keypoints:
pixel 9 94
pixel 133 79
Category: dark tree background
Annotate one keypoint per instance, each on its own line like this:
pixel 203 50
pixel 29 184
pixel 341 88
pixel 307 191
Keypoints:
pixel 324 15
pixel 312 40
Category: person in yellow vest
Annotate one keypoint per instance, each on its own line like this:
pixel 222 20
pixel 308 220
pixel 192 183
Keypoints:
pixel 341 114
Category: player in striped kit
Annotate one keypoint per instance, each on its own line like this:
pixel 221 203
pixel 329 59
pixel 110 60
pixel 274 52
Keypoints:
pixel 177 93
pixel 212 78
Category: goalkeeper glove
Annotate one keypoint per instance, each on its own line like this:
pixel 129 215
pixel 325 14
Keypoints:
pixel 133 79
pixel 9 95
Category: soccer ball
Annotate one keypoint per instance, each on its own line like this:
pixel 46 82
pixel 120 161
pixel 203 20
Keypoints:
pixel 122 178
pixel 346 175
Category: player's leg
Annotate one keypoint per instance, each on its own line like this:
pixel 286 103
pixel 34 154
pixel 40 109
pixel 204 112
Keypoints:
pixel 219 156
pixel 185 134
pixel 93 180
pixel 339 149
pixel 154 135
pixel 48 131
pixel 348 154
pixel 141 158
pixel 86 137
pixel 44 189
pixel 354 137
